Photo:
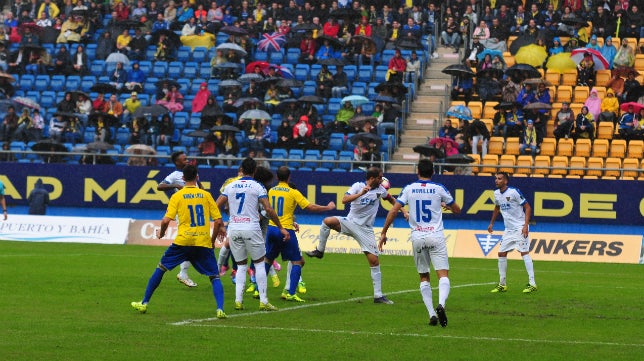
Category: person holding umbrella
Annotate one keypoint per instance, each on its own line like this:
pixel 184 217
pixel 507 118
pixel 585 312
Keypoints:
pixel 324 82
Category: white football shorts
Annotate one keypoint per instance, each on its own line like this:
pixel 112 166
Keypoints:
pixel 430 249
pixel 512 240
pixel 244 243
pixel 363 234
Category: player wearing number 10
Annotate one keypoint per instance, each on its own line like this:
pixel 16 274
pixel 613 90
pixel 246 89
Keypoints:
pixel 195 208
pixel 426 199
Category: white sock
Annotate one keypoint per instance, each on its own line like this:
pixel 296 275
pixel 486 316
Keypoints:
pixel 324 235
pixel 183 270
pixel 530 268
pixel 223 254
pixel 287 286
pixel 260 278
pixel 240 282
pixel 443 290
pixel 426 292
pixel 376 278
pixel 503 267
pixel 271 271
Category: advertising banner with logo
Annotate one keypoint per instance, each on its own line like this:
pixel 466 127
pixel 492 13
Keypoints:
pixel 145 233
pixel 64 229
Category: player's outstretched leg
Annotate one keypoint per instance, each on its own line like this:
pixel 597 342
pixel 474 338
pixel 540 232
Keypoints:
pixel 153 283
pixel 426 293
pixel 183 275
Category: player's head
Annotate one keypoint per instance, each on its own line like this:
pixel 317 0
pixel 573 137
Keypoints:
pixel 264 176
pixel 179 159
pixel 248 166
pixel 501 180
pixel 189 173
pixel 283 174
pixel 425 168
pixel 374 176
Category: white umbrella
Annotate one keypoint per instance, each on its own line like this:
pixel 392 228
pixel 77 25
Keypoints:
pixel 118 58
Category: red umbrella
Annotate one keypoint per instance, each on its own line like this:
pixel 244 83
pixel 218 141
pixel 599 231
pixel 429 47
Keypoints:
pixel 636 107
pixel 601 63
pixel 250 68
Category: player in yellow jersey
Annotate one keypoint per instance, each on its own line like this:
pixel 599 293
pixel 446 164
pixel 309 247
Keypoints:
pixel 194 208
pixel 284 199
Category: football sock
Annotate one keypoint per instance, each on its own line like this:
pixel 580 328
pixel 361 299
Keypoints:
pixel 324 235
pixel 376 278
pixel 287 283
pixel 153 283
pixel 271 270
pixel 443 290
pixel 295 277
pixel 267 267
pixel 260 278
pixel 183 273
pixel 503 267
pixel 218 292
pixel 240 282
pixel 530 268
pixel 426 292
pixel 223 256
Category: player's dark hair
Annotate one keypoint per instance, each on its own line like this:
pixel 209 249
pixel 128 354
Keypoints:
pixel 425 168
pixel 189 173
pixel 292 185
pixel 175 155
pixel 248 166
pixel 283 173
pixel 504 174
pixel 264 176
pixel 373 172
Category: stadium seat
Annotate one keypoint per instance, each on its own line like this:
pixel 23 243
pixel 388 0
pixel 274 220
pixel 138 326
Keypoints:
pixel 380 74
pixel 569 77
pixel 583 147
pixel 293 56
pixel 364 74
pixel 507 163
pixel 565 147
pixel 601 147
pixel 476 107
pixel 559 162
pixel 278 153
pixel 261 56
pixel 122 136
pixel 631 166
pixel 191 70
pixel 187 141
pixel 581 94
pixel 295 157
pixel 276 57
pixel 553 77
pixel 336 141
pixel 346 158
pixel 605 130
pixel 175 70
pixel 636 149
pixel 512 146
pixel 524 164
pixel 616 164
pixel 47 99
pixel 577 162
pixel 183 54
pixel 602 77
pixel 495 145
pixel 311 156
pixel 27 82
pixel 302 72
pixel 199 54
pixel 160 69
pixel 180 120
pixel 97 68
pixel 329 155
pixel 489 163
pixel 595 165
pixel 542 164
pixel 72 83
pixel 57 83
pixel 41 83
pixel 564 93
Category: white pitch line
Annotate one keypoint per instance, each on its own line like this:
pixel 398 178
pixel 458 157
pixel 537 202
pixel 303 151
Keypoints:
pixel 189 321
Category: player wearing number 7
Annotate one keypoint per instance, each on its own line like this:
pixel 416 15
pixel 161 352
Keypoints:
pixel 426 200
pixel 195 208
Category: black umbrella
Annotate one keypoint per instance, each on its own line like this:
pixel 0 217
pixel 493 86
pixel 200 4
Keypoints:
pixel 224 128
pixel 574 21
pixel 537 106
pixel 80 12
pixel 76 93
pixel 153 111
pixel 490 73
pixel 634 94
pixel 65 115
pixel 458 70
pixel 169 82
pixel 359 121
pixel 385 99
pixel 108 119
pixel 172 37
pixel 391 88
pixel 198 134
pixel 244 101
pixel 305 27
pixel 229 83
pixel 248 77
pixel 32 47
pixel 233 30
pixel 98 146
pixel 520 42
pixel 366 138
pixel 334 42
pixel 367 43
pixel 459 158
pixel 270 80
pixel 522 71
pixel 314 99
pixel 104 88
pixel 208 115
pixel 428 151
pixel 289 83
pixel 49 145
pixel 128 23
pixel 49 35
pixel 505 105
pixel 344 13
pixel 331 61
pixel 409 43
pixel 228 65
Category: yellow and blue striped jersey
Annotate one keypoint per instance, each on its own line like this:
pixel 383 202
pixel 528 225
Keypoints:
pixel 284 199
pixel 195 208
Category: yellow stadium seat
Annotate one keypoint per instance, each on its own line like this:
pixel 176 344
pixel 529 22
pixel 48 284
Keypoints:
pixel 489 111
pixel 639 62
pixel 495 145
pixel 524 162
pixel 600 148
pixel 602 78
pixel 541 165
pixel 636 149
pixel 601 92
pixel 558 176
pixel 476 162
pixel 595 165
pixel 559 162
pixel 573 176
pixel 591 177
pixel 632 42
pixel 508 162
pixel 583 147
pixel 617 148
pixel 476 108
pixel 581 94
pixel 556 107
pixel 489 123
pixel 616 164
pixel 564 94
pixel 489 163
pixel 565 147
pixel 548 146
pixel 605 130
pixel 577 162
pixel 631 167
pixel 509 60
pixel 569 77
pixel 553 77
pixel 512 146
pixel 576 107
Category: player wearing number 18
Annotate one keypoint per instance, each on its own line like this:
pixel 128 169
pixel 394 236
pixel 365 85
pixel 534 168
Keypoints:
pixel 426 200
pixel 195 208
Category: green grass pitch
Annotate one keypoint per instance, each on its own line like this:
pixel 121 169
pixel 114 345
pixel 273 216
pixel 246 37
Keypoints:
pixel 72 302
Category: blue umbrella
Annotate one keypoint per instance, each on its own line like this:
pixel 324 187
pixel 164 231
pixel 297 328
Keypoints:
pixel 491 52
pixel 356 100
pixel 460 112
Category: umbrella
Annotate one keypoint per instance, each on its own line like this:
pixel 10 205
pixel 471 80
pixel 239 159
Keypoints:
pixel 65 114
pixel 271 80
pixel 305 27
pixel 505 105
pixel 460 112
pixel 143 148
pixel 459 158
pixel 244 101
pixel 289 83
pixel 355 100
pixel 225 128
pixel 458 70
pixel 560 63
pixel 635 93
pixel 233 30
pixel 263 66
pixel 49 145
pixel 98 146
pixel 153 111
pixel 171 36
pixel 169 82
pixel 31 26
pixel 216 114
pixel 118 58
pixel 248 77
pixel 104 88
pixel 385 99
pixel 520 42
pixel 636 106
pixel 271 42
pixel 537 106
pixel 344 13
pixel 428 151
pixel 26 102
pixel 198 134
pixel 391 88
pixel 313 99
pixel 492 53
pixel 490 73
pixel 7 76
pixel 573 21
pixel 76 93
pixel 435 142
pixel 229 83
pixel 360 120
pixel 234 48
pixel 334 42
pixel 368 43
pixel 578 55
pixel 228 65
pixel 32 47
pixel 409 43
pixel 537 81
pixel 255 114
pixel 128 23
pixel 109 119
pixel 531 54
pixel 48 35
pixel 522 71
pixel 331 61
pixel 80 12
pixel 367 138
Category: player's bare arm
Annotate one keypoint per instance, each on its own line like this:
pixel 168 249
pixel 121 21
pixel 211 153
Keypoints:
pixel 495 213
pixel 348 198
pixel 528 213
pixel 164 227
pixel 166 186
pixel 318 208
pixel 217 226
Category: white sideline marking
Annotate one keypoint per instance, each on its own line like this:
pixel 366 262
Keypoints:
pixel 188 322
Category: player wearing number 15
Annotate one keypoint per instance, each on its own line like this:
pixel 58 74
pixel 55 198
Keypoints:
pixel 194 208
pixel 426 199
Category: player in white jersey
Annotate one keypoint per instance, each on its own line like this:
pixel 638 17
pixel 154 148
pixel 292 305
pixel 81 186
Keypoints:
pixel 173 183
pixel 243 197
pixel 364 198
pixel 516 212
pixel 426 200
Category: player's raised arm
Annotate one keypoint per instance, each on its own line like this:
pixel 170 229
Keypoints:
pixel 318 208
pixel 388 221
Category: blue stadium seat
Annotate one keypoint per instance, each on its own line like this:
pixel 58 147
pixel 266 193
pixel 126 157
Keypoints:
pixel 181 120
pixel 351 71
pixel 160 69
pixel 310 158
pixel 387 54
pixel 34 95
pixel 88 134
pixel 97 68
pixel 368 108
pixel 295 157
pixel 185 84
pixel 334 106
pixel 145 66
pixel 261 56
pixel 122 136
pixel 302 72
pixel 381 73
pixel 87 82
pixel 194 122
pixel 204 70
pixel 278 153
pixel 358 89
pixel 336 141
pixel 145 99
pixel 72 83
pixel 27 82
pixel 221 38
pixel 150 51
pixel 47 99
pixel 199 54
pixel 187 141
pixel 194 87
pixel 276 57
pixel 183 54
pixel 191 70
pixel 293 55
pixel 57 83
pixel 90 50
pixel 187 103
pixel 175 69
pixel 109 68
pixel 149 86
pixel 41 83
pixel 364 73
pixel 345 157
pixel 276 121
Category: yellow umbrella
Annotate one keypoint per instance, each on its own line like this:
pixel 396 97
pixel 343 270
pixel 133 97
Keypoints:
pixel 531 54
pixel 560 63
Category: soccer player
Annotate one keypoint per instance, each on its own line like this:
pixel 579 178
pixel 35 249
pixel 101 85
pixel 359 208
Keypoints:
pixel 516 212
pixel 426 199
pixel 284 199
pixel 3 202
pixel 364 198
pixel 243 197
pixel 194 208
pixel 172 183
